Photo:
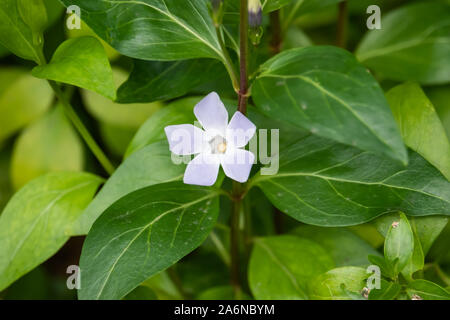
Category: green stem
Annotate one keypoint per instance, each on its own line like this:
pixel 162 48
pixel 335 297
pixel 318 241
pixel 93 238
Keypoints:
pixel 234 239
pixel 226 60
pixel 76 121
pixel 275 42
pixel 223 253
pixel 243 31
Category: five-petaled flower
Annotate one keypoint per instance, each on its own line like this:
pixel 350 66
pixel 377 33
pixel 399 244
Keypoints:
pixel 220 143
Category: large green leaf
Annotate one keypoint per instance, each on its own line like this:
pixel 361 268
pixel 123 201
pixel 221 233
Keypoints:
pixel 413 44
pixel 81 62
pixel 153 29
pixel 153 80
pixel 346 248
pixel 142 234
pixel 23 99
pixel 280 267
pixel 50 144
pixel 325 90
pixel 399 244
pixel 38 220
pixel 327 184
pixel 148 166
pixel 426 290
pixel 420 125
pixel 335 284
pixel 16 35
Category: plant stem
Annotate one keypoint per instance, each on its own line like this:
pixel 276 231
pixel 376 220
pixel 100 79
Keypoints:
pixel 243 31
pixel 76 121
pixel 275 43
pixel 228 63
pixel 342 25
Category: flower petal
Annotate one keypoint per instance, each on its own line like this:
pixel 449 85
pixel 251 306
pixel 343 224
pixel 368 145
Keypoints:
pixel 211 113
pixel 184 139
pixel 240 130
pixel 237 163
pixel 202 170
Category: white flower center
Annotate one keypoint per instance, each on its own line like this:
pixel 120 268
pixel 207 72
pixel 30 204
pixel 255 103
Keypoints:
pixel 218 145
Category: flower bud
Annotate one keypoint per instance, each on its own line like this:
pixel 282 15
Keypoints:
pixel 254 13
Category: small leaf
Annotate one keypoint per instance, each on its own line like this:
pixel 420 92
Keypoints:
pixel 416 261
pixel 385 267
pixel 149 166
pixel 280 267
pixel 426 290
pixel 142 234
pixel 328 286
pixel 420 125
pixel 388 291
pixel 50 144
pixel 152 80
pixel 38 220
pixel 418 50
pixel 399 244
pixel 81 62
pixel 327 184
pixel 23 99
pixel 325 90
pixel 153 29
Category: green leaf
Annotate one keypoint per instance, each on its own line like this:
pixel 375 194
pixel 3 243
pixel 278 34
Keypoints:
pixel 152 80
pixel 325 90
pixel 280 267
pixel 420 125
pixel 23 99
pixel 426 290
pixel 119 115
pixel 38 220
pixel 142 234
pixel 388 291
pixel 16 35
pixel 399 244
pixel 328 286
pixel 272 5
pixel 34 14
pixel 440 97
pixel 81 62
pixel 153 29
pixel 327 184
pixel 415 50
pixel 385 267
pixel 50 144
pixel 416 261
pixel 148 166
pixel 346 248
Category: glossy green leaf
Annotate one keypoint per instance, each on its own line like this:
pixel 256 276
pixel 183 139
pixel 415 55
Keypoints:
pixel 142 234
pixel 23 99
pixel 399 244
pixel 417 49
pixel 327 184
pixel 272 5
pixel 50 144
pixel 16 35
pixel 38 220
pixel 388 291
pixel 81 62
pixel 426 290
pixel 280 267
pixel 299 8
pixel 420 125
pixel 119 115
pixel 152 80
pixel 346 248
pixel 153 29
pixel 325 90
pixel 328 286
pixel 34 14
pixel 150 165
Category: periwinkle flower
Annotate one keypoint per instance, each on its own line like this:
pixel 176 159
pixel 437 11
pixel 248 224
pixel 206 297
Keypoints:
pixel 219 144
